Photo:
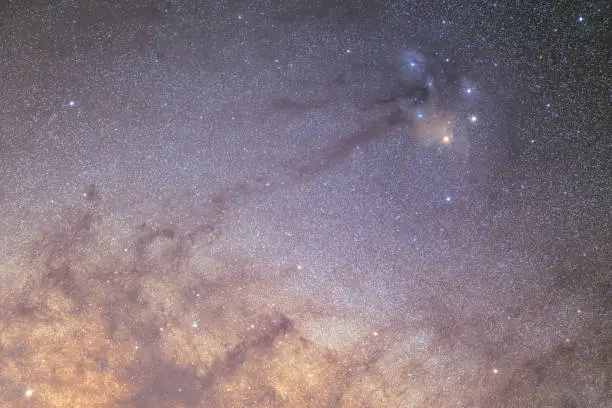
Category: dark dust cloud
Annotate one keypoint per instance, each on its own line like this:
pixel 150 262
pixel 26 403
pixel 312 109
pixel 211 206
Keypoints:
pixel 305 204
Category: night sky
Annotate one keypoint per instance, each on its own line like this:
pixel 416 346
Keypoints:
pixel 323 203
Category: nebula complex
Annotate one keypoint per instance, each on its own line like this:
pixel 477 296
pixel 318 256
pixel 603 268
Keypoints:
pixel 368 204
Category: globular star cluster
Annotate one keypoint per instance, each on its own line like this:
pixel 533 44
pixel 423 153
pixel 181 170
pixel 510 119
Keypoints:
pixel 305 204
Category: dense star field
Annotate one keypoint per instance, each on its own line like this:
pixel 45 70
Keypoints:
pixel 381 203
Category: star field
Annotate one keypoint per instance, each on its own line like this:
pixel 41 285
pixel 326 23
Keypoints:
pixel 379 203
